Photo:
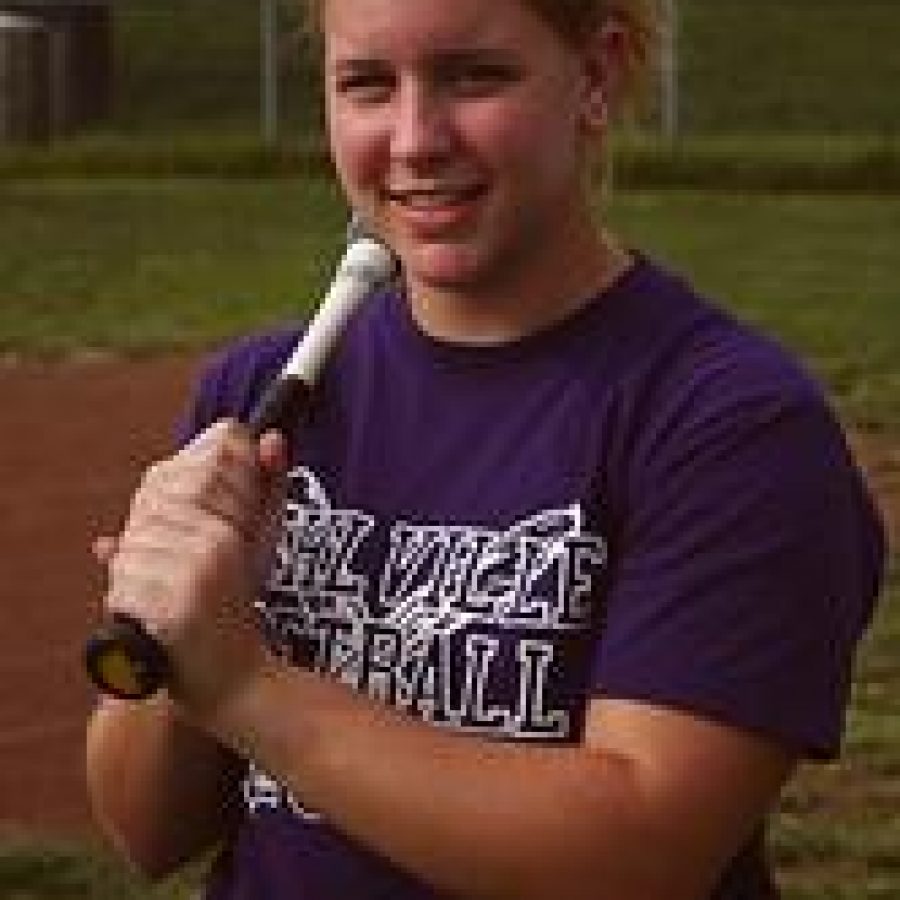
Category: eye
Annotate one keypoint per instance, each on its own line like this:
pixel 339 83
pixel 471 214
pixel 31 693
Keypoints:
pixel 479 79
pixel 364 87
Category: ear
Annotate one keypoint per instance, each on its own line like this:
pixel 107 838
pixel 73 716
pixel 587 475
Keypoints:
pixel 604 61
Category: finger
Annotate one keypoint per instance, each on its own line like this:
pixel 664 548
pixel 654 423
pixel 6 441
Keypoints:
pixel 185 511
pixel 240 473
pixel 220 475
pixel 272 452
pixel 227 429
pixel 274 464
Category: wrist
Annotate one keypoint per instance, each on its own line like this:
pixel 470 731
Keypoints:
pixel 251 718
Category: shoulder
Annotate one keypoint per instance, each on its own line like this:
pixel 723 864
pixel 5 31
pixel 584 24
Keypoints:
pixel 691 385
pixel 749 552
pixel 667 346
pixel 722 413
pixel 700 366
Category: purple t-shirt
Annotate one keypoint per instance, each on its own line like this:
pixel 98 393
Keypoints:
pixel 646 501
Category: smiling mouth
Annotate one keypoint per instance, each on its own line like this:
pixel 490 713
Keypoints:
pixel 435 198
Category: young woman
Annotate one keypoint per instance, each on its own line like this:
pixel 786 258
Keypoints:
pixel 571 566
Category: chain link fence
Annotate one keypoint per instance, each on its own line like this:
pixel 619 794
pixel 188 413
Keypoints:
pixel 734 66
pixel 814 66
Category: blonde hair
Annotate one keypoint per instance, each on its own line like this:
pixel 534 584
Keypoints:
pixel 575 21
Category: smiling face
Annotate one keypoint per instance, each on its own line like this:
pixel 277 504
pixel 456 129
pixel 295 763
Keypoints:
pixel 459 132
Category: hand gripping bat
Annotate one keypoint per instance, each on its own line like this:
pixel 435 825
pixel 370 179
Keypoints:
pixel 122 658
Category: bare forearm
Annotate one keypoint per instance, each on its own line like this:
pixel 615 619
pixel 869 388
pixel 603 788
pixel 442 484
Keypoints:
pixel 476 819
pixel 162 790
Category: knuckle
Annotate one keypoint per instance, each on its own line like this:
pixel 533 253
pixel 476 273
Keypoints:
pixel 225 451
pixel 223 431
pixel 222 531
pixel 152 476
pixel 236 445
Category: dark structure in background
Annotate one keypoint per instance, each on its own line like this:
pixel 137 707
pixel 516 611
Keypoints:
pixel 56 68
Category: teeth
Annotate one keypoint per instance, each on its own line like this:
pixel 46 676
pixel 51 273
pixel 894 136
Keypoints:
pixel 435 199
pixel 424 199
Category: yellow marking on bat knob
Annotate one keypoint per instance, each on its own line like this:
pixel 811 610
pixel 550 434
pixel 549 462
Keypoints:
pixel 118 670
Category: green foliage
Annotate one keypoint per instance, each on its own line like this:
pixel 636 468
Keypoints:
pixel 838 833
pixel 790 65
pixel 196 64
pixel 761 162
pixel 775 95
pixel 223 154
pixel 34 868
pixel 828 66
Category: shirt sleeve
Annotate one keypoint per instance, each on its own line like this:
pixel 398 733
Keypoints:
pixel 747 565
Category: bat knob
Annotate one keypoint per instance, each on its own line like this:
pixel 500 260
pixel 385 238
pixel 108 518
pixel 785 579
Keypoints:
pixel 124 660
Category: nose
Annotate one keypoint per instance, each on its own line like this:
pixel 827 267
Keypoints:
pixel 423 130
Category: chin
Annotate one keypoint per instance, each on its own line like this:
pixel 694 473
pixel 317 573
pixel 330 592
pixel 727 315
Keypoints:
pixel 445 267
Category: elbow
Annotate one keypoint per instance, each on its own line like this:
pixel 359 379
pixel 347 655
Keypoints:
pixel 154 848
pixel 152 863
pixel 132 814
pixel 150 867
pixel 149 852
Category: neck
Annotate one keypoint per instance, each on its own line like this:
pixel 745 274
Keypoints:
pixel 535 297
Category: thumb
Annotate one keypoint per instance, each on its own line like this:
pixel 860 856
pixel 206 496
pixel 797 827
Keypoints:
pixel 273 461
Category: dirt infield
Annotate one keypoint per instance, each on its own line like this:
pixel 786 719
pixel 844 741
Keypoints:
pixel 75 436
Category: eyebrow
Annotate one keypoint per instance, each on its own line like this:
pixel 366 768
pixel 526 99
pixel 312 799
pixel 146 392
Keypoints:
pixel 441 60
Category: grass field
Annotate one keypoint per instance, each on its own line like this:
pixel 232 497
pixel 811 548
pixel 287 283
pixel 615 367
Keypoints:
pixel 838 836
pixel 143 264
